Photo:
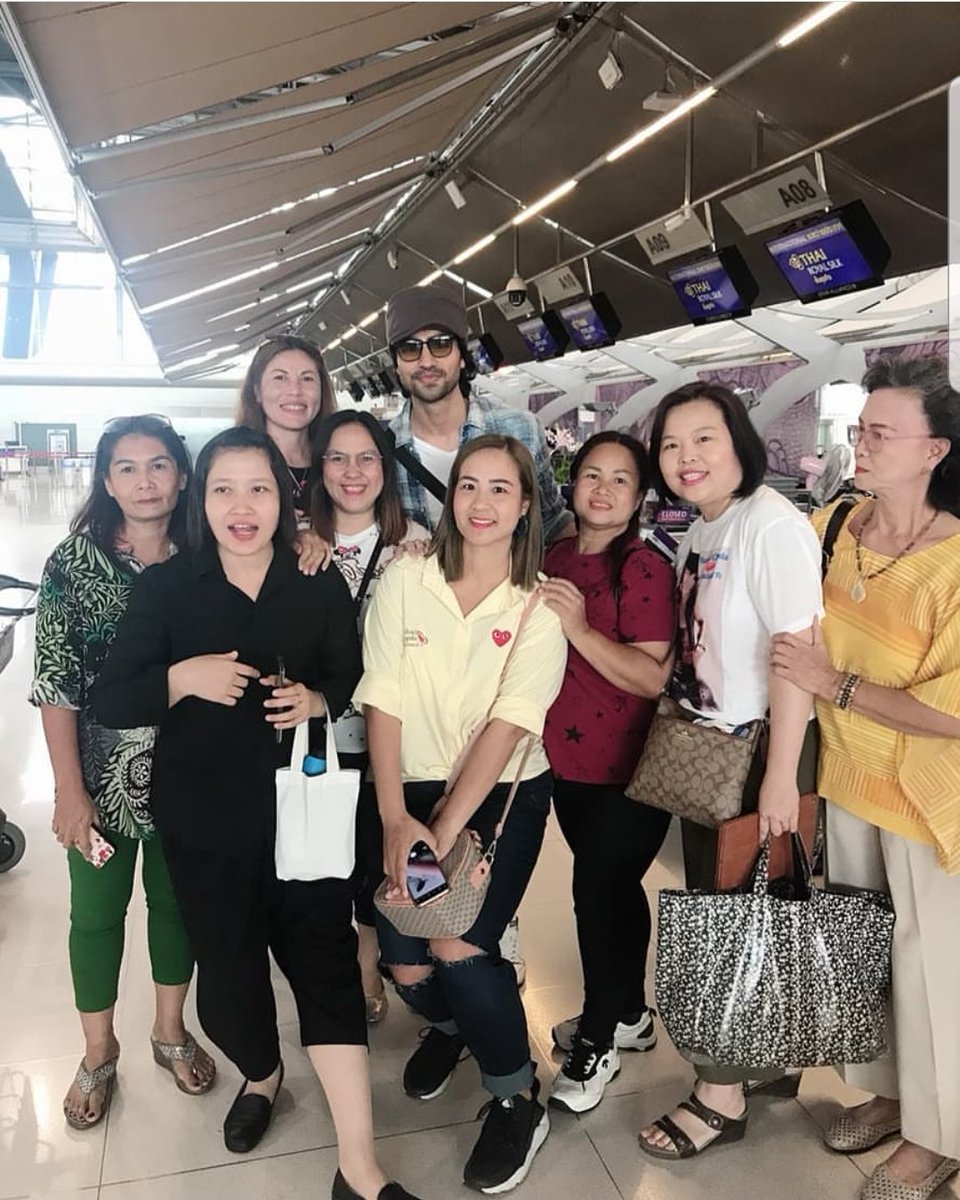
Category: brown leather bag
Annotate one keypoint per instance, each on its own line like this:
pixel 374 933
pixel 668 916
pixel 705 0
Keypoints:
pixel 738 845
pixel 695 771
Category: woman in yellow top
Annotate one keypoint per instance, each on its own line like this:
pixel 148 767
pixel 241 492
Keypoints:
pixel 886 674
pixel 443 650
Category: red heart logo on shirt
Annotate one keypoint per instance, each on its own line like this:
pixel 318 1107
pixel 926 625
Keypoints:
pixel 501 636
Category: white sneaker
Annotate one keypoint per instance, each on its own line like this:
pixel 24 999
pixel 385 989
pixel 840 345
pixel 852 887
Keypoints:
pixel 510 950
pixel 642 1036
pixel 585 1073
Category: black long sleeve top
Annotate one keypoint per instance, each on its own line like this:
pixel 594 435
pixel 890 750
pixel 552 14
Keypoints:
pixel 214 765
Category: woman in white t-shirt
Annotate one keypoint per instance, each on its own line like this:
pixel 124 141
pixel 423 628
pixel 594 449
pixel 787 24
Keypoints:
pixel 748 568
pixel 357 510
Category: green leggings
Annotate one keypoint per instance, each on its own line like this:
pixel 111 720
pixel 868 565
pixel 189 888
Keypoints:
pixel 98 910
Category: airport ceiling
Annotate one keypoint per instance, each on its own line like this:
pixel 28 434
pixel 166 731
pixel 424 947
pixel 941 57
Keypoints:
pixel 253 166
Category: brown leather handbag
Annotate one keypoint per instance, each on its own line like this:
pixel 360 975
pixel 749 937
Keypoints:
pixel 695 771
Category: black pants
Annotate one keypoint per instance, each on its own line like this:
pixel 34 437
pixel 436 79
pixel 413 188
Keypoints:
pixel 236 912
pixel 614 840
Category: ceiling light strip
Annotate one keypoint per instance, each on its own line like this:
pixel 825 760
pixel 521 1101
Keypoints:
pixel 544 201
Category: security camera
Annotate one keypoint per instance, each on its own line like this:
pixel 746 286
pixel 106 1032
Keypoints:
pixel 516 291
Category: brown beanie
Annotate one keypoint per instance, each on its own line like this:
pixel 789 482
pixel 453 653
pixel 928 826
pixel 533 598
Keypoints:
pixel 425 308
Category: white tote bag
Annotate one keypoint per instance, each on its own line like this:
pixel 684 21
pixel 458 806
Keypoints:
pixel 316 815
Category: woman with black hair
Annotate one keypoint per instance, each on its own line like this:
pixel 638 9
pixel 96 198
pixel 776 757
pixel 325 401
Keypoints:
pixel 133 517
pixel 749 568
pixel 231 612
pixel 614 596
pixel 357 510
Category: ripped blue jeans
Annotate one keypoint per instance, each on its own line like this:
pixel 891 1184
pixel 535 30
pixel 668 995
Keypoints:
pixel 478 997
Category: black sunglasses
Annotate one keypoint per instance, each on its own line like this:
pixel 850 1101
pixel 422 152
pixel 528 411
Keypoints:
pixel 440 345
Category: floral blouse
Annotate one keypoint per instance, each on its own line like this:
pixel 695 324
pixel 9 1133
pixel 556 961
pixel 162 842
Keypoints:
pixel 83 594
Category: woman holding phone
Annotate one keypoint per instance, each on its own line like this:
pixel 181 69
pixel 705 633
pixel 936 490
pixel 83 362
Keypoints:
pixel 201 653
pixel 356 508
pixel 134 516
pixel 446 656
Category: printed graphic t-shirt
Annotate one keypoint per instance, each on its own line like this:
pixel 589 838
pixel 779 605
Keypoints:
pixel 595 730
pixel 751 573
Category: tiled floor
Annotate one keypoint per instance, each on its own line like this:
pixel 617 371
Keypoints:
pixel 160 1145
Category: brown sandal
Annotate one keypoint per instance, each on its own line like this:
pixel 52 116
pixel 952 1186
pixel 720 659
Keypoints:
pixel 727 1129
pixel 165 1054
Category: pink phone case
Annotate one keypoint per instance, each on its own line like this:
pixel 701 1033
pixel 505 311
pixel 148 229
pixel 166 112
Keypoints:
pixel 101 850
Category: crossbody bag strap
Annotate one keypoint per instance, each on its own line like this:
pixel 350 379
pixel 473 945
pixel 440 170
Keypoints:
pixel 368 574
pixel 405 456
pixel 832 532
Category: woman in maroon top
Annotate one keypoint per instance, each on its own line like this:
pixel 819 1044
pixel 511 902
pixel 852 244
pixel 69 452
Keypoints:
pixel 615 597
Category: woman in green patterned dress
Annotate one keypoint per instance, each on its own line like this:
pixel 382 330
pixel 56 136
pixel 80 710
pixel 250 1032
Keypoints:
pixel 102 776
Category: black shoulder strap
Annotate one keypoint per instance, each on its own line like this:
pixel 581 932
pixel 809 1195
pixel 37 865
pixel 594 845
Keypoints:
pixel 830 534
pixel 408 459
pixel 368 574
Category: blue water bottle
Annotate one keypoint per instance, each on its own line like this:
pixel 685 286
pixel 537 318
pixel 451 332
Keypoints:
pixel 314 765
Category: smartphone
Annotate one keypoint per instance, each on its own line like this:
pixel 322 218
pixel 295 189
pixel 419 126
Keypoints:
pixel 101 851
pixel 281 682
pixel 425 880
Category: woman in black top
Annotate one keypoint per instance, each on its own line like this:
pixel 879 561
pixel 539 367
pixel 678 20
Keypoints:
pixel 197 653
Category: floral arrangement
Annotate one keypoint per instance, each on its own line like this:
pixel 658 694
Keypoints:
pixel 563 445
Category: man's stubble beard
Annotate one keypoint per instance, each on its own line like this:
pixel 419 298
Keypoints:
pixel 414 389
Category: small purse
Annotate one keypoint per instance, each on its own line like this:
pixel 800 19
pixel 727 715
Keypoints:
pixel 467 867
pixel 696 771
pixel 467 871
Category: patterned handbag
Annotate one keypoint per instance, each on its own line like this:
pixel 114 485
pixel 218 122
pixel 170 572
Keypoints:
pixel 775 975
pixel 467 871
pixel 696 771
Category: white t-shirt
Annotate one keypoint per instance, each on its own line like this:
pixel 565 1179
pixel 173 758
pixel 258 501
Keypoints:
pixel 751 573
pixel 438 462
pixel 351 554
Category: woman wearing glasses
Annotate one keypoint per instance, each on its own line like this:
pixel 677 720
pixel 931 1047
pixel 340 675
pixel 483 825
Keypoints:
pixel 357 510
pixel 886 676
pixel 133 517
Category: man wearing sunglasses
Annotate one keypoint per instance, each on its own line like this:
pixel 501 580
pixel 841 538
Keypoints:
pixel 427 331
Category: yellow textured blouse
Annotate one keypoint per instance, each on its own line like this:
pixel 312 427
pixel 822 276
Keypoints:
pixel 906 634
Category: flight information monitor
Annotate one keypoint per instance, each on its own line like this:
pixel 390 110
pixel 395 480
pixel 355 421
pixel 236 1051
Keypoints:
pixel 717 288
pixel 841 252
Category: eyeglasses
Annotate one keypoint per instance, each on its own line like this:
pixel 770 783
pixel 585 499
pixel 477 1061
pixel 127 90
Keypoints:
pixel 440 345
pixel 366 460
pixel 116 423
pixel 874 439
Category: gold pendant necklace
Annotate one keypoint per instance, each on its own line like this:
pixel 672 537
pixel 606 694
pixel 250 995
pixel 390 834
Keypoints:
pixel 858 589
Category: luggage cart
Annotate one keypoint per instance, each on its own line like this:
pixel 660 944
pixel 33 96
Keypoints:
pixel 13 842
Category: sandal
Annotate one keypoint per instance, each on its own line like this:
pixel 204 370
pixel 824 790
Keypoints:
pixel 726 1129
pixel 165 1054
pixel 105 1077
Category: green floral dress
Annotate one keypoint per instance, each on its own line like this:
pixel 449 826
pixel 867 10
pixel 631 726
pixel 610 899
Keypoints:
pixel 83 594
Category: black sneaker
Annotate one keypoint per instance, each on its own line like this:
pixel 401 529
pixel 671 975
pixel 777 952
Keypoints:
pixel 513 1132
pixel 431 1066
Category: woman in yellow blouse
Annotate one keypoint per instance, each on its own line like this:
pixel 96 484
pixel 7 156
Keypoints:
pixel 886 674
pixel 452 641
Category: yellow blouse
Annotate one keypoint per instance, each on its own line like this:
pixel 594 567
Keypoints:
pixel 906 634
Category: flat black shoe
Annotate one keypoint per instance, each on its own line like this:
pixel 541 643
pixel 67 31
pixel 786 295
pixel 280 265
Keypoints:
pixel 390 1191
pixel 249 1118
